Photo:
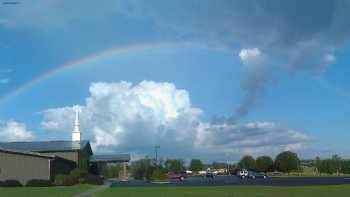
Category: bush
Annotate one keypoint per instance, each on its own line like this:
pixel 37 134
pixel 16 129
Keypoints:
pixel 39 183
pixel 77 173
pixel 64 180
pixel 92 179
pixel 10 183
pixel 160 175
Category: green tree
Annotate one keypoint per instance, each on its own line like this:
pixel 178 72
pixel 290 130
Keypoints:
pixel 287 162
pixel 174 165
pixel 111 170
pixel 218 165
pixel 83 164
pixel 247 162
pixel 196 165
pixel 264 164
pixel 337 162
pixel 142 169
pixel 317 164
pixel 346 166
pixel 327 166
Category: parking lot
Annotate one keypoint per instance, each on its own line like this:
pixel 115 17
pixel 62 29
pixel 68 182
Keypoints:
pixel 234 180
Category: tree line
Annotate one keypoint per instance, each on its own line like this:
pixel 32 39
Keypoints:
pixel 332 165
pixel 285 162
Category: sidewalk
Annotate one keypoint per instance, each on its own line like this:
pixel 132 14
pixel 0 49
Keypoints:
pixel 90 192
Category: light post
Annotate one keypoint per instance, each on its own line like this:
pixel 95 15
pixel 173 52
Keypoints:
pixel 156 147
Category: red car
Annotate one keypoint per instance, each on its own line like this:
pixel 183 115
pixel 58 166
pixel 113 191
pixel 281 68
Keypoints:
pixel 177 175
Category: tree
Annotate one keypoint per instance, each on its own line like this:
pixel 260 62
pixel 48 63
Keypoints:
pixel 196 165
pixel 218 165
pixel 174 165
pixel 327 166
pixel 337 162
pixel 317 164
pixel 287 162
pixel 111 170
pixel 247 162
pixel 264 164
pixel 142 169
pixel 346 166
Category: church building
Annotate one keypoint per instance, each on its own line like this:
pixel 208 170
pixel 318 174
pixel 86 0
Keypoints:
pixel 24 161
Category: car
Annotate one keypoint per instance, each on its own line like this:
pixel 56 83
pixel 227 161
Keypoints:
pixel 202 173
pixel 189 172
pixel 276 173
pixel 260 175
pixel 243 173
pixel 210 174
pixel 181 175
pixel 255 175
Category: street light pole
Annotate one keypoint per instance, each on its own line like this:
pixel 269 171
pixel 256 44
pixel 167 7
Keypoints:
pixel 156 147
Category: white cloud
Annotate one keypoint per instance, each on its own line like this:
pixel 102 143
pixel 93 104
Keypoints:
pixel 252 138
pixel 133 118
pixel 4 81
pixel 329 58
pixel 251 56
pixel 14 131
pixel 123 115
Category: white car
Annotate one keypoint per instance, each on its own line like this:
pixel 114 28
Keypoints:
pixel 243 173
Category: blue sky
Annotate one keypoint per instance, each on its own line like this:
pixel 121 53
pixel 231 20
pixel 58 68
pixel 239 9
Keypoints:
pixel 201 78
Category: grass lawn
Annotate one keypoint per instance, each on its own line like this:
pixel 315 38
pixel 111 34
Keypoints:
pixel 229 191
pixel 43 191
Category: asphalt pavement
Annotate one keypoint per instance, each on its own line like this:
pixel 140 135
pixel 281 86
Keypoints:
pixel 234 180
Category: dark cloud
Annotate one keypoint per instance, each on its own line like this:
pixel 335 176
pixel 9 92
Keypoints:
pixel 251 138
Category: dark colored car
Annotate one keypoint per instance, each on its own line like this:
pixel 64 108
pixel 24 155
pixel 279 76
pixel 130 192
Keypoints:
pixel 177 175
pixel 255 175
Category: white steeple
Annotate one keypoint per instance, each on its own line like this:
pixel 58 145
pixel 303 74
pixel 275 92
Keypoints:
pixel 76 135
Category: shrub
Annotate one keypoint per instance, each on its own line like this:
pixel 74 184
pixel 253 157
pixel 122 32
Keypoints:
pixel 77 173
pixel 160 174
pixel 38 183
pixel 92 179
pixel 11 183
pixel 64 180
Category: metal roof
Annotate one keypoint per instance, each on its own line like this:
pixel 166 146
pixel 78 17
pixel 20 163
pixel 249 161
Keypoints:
pixel 110 158
pixel 45 146
pixel 27 153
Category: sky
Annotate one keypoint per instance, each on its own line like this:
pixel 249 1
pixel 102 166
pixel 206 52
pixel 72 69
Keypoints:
pixel 213 80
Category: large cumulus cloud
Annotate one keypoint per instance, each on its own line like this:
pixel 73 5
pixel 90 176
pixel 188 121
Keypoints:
pixel 122 117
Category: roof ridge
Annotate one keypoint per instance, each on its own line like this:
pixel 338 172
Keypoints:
pixel 26 152
pixel 42 141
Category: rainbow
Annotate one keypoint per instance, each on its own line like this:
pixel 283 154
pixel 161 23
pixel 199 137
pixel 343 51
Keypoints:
pixel 102 54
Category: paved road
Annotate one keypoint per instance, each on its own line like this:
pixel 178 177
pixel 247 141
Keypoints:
pixel 234 180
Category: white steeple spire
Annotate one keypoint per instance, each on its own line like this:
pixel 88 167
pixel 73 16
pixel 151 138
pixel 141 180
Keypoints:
pixel 76 134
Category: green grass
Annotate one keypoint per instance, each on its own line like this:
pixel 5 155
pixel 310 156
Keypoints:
pixel 43 191
pixel 228 191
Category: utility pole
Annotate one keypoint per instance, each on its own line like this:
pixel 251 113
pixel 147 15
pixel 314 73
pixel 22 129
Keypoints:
pixel 156 147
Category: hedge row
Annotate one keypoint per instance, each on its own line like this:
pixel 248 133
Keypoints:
pixel 69 180
pixel 76 176
pixel 30 183
pixel 10 183
pixel 60 180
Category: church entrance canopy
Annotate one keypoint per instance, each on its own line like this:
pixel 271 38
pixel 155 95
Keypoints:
pixel 113 158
